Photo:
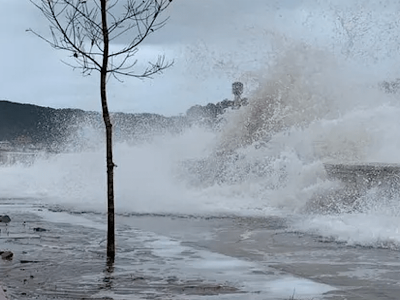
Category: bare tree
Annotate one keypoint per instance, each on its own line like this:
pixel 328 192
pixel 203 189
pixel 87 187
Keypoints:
pixel 86 29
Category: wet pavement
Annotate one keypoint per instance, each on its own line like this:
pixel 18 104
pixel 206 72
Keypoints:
pixel 169 257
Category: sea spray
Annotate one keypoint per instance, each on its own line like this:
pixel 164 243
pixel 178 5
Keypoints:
pixel 267 157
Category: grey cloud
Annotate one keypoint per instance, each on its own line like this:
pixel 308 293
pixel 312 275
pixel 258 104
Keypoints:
pixel 220 39
pixel 189 20
pixel 213 20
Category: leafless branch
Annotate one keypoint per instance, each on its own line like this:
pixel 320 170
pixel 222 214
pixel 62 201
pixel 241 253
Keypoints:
pixel 75 26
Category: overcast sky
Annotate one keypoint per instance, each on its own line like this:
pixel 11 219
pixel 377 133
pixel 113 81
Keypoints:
pixel 213 43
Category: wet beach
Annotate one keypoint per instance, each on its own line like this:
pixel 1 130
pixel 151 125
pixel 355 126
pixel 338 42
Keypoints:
pixel 61 255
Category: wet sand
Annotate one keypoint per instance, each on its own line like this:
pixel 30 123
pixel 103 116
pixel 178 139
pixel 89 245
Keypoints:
pixel 164 257
pixel 2 294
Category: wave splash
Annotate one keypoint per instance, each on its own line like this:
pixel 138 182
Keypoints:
pixel 265 158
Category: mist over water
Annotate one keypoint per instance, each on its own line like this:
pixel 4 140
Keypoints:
pixel 264 159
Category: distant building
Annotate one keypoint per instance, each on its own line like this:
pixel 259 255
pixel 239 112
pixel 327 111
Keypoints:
pixel 5 146
pixel 23 140
pixel 390 87
pixel 237 90
pixel 208 115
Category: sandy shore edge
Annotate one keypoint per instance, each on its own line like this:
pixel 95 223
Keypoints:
pixel 2 294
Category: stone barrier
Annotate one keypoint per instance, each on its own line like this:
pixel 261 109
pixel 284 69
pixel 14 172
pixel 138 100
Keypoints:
pixel 365 175
pixel 10 158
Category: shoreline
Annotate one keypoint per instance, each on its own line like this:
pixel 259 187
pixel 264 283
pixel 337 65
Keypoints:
pixel 2 293
pixel 184 258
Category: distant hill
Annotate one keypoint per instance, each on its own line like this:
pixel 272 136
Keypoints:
pixel 34 124
pixel 51 128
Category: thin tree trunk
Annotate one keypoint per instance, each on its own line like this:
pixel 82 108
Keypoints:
pixel 72 24
pixel 108 125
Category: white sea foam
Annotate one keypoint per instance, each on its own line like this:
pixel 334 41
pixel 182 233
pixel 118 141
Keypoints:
pixel 306 111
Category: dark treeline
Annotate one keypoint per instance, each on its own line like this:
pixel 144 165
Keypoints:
pixel 49 128
pixel 31 124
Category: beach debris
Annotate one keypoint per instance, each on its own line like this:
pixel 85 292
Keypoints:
pixel 39 229
pixel 6 255
pixel 24 261
pixel 5 219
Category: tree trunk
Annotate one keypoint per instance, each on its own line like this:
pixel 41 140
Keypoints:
pixel 108 125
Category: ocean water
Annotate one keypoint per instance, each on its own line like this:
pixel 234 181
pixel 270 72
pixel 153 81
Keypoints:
pixel 265 159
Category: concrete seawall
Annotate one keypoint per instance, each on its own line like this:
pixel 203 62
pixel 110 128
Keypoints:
pixel 9 158
pixel 358 178
pixel 364 175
